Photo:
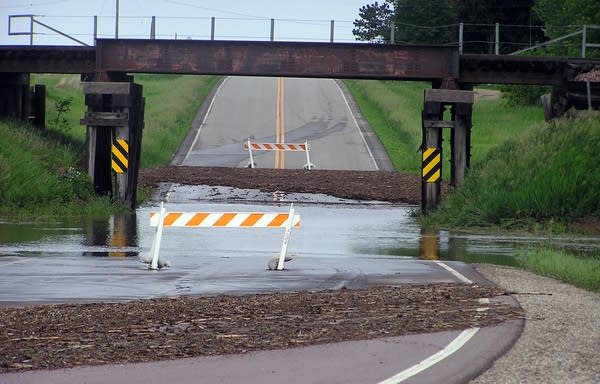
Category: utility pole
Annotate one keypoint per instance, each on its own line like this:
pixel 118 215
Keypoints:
pixel 117 20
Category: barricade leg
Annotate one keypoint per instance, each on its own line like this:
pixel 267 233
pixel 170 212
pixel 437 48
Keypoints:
pixel 286 238
pixel 157 238
pixel 308 164
pixel 250 153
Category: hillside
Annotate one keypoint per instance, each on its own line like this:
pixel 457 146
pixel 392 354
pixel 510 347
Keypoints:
pixel 548 174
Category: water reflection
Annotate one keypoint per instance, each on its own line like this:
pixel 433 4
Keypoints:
pixel 429 244
pixel 117 233
pixel 114 236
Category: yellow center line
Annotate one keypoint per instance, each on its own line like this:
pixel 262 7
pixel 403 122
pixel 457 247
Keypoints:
pixel 280 124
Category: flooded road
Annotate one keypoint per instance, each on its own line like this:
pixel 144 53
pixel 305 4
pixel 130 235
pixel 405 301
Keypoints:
pixel 340 243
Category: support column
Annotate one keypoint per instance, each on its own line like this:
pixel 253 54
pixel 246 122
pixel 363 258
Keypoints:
pixel 460 141
pixel 39 106
pixel 431 169
pixel 14 95
pixel 114 121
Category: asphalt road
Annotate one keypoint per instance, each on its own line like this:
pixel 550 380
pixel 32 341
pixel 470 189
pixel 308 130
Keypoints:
pixel 278 110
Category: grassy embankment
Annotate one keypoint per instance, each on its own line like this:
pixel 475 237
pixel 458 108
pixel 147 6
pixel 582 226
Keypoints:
pixel 43 172
pixel 526 175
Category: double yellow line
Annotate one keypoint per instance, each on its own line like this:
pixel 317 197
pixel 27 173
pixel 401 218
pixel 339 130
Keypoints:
pixel 280 124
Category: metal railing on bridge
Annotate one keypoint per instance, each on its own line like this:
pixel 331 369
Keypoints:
pixel 497 36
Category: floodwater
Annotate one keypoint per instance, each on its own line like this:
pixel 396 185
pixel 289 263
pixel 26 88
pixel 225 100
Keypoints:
pixel 340 243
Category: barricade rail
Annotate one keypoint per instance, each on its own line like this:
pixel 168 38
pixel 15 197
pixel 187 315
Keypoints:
pixel 292 147
pixel 163 219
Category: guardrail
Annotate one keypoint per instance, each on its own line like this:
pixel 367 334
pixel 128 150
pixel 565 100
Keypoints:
pixel 584 41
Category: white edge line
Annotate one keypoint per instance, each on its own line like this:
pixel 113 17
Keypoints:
pixel 454 272
pixel 357 126
pixel 210 106
pixel 454 346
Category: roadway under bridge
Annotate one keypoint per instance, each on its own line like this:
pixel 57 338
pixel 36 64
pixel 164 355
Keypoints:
pixel 115 104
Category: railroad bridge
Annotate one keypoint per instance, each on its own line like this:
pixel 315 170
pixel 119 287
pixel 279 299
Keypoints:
pixel 115 103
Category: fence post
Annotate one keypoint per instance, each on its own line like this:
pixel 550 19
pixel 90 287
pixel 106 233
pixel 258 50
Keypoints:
pixel 392 32
pixel 153 28
pixel 272 29
pixel 31 30
pixel 460 37
pixel 331 31
pixel 117 19
pixel 212 28
pixel 95 29
pixel 497 44
pixel 583 40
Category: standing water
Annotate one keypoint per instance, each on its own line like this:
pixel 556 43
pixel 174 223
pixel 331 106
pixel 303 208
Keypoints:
pixel 340 243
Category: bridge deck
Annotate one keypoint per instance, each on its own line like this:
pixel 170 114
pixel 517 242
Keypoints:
pixel 47 59
pixel 290 59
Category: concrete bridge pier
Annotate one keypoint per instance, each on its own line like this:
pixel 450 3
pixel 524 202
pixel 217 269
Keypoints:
pixel 115 121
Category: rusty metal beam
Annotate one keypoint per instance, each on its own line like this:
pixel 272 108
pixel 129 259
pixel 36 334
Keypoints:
pixel 502 69
pixel 290 59
pixel 295 59
pixel 47 59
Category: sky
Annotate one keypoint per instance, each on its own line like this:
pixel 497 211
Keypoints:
pixel 299 20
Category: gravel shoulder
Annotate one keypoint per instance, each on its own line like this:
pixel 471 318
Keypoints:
pixel 561 339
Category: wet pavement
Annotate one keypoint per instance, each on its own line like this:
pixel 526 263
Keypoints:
pixel 341 243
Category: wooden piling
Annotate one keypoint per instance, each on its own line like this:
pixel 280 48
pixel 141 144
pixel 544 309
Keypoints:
pixel 114 123
pixel 435 100
pixel 14 95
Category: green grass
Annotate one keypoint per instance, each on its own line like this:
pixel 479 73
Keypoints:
pixel 43 171
pixel 40 173
pixel 171 104
pixel 393 109
pixel 549 174
pixel 583 272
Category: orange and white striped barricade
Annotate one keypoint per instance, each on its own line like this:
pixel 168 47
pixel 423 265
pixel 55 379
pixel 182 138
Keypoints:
pixel 163 219
pixel 250 146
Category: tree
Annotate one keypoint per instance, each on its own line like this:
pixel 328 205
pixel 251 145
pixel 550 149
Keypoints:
pixel 426 21
pixel 374 23
pixel 519 26
pixel 562 17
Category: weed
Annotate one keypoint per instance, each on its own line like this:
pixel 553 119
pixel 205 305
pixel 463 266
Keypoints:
pixel 62 107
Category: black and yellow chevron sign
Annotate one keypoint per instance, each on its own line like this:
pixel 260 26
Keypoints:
pixel 120 155
pixel 432 165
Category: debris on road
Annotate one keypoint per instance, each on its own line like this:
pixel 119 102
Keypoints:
pixel 69 335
